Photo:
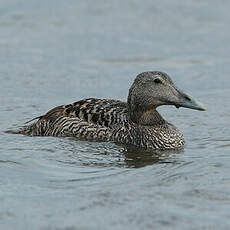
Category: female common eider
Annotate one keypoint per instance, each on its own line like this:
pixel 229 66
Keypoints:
pixel 136 122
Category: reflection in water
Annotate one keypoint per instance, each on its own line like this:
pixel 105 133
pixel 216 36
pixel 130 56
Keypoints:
pixel 107 154
pixel 139 158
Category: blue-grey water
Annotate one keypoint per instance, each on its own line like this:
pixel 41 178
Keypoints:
pixel 55 52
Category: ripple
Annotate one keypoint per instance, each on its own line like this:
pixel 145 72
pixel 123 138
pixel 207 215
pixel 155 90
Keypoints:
pixel 123 60
pixel 9 162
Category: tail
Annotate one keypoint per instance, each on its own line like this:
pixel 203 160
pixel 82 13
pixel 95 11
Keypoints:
pixel 25 130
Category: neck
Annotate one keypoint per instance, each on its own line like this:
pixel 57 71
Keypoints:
pixel 149 117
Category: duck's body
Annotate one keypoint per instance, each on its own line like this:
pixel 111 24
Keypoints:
pixel 136 122
pixel 104 120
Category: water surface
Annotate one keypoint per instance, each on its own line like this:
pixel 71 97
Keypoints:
pixel 57 52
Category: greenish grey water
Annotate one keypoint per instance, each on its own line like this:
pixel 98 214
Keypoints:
pixel 57 52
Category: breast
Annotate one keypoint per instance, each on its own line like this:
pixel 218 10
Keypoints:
pixel 165 136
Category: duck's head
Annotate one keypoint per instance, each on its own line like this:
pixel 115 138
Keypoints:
pixel 153 89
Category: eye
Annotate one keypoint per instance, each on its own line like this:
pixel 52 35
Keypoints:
pixel 157 80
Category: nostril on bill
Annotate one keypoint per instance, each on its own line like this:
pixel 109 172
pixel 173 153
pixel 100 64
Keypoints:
pixel 187 98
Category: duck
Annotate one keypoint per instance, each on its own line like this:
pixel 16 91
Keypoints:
pixel 135 122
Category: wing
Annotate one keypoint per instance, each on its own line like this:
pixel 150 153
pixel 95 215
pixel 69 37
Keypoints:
pixel 101 112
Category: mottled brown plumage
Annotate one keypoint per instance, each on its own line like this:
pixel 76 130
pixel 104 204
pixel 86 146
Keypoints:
pixel 136 122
